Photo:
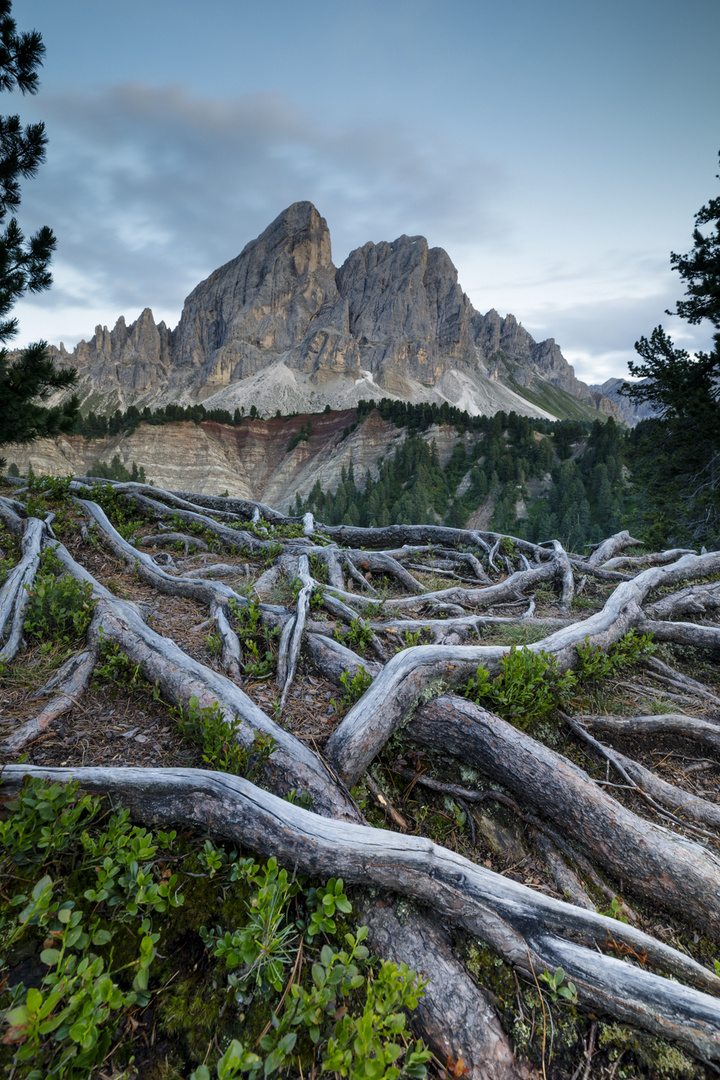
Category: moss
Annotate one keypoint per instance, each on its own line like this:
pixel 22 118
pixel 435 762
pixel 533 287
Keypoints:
pixel 661 1059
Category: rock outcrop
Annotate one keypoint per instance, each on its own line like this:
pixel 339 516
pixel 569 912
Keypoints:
pixel 631 412
pixel 251 461
pixel 280 327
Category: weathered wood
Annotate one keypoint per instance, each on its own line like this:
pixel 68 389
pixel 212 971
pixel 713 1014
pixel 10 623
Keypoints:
pixel 656 864
pixel 528 929
pixel 703 636
pixel 597 571
pixel 231 653
pixel 639 562
pixel 379 562
pixel 514 587
pixel 231 539
pixel 11 516
pixel 244 508
pixel 370 722
pixel 684 804
pixel 692 600
pixel 334 660
pixel 70 683
pixel 203 590
pixel 466 1028
pixel 154 494
pixel 216 570
pixel 566 575
pixel 302 607
pixel 170 539
pixel 14 595
pixel 605 551
pixel 181 677
pixel 335 606
pixel 664 672
pixel 565 879
pixel 690 727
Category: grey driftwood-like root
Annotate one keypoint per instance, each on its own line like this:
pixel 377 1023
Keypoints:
pixel 14 595
pixel 656 864
pixel 528 929
pixel 182 678
pixel 573 813
pixel 69 684
pixel 371 722
pixel 690 727
pixel 294 639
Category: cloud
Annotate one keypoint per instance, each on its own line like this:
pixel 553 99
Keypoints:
pixel 598 338
pixel 150 189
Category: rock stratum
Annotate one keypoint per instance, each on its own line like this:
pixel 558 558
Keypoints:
pixel 281 328
pixel 251 461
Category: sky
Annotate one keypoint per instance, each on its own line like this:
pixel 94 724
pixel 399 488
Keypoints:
pixel 558 150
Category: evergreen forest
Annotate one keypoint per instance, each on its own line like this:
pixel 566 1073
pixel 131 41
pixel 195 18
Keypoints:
pixel 532 478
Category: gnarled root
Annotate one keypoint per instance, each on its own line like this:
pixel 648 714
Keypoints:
pixel 14 595
pixel 69 683
pixel 529 930
pixel 655 863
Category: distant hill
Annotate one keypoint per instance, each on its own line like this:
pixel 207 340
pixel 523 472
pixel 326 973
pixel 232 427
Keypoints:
pixel 632 412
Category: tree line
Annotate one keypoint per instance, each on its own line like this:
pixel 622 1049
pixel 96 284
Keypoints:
pixel 535 479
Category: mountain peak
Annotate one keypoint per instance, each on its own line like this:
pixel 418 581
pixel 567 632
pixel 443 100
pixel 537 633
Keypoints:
pixel 280 326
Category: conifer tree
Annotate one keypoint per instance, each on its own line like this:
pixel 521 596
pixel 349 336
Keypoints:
pixel 32 377
pixel 677 454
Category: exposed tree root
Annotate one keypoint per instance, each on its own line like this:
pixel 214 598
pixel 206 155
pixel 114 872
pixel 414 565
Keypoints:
pixel 530 930
pixel 605 551
pixel 689 727
pixel 575 822
pixel 69 684
pixel 14 594
pixel 661 867
pixel 367 726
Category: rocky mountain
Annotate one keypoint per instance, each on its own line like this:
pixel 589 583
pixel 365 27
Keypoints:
pixel 632 412
pixel 279 327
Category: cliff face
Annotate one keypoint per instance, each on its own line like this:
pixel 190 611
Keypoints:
pixel 249 462
pixel 280 327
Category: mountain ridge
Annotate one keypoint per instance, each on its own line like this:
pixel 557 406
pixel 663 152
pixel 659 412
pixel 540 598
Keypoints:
pixel 279 326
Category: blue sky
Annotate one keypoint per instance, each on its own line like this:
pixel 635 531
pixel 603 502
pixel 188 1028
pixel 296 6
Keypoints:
pixel 557 150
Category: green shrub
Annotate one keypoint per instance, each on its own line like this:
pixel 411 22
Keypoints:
pixel 594 664
pixel 528 687
pixel 255 641
pixel 209 729
pixel 58 608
